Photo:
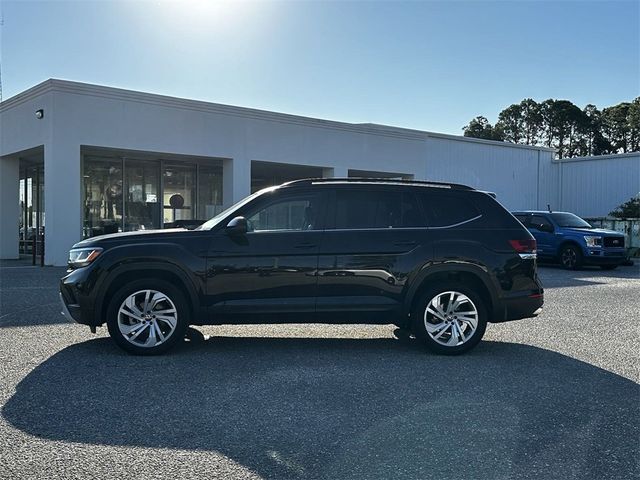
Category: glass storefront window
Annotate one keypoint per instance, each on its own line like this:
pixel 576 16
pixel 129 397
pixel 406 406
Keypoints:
pixel 209 192
pixel 179 192
pixel 102 185
pixel 124 194
pixel 142 206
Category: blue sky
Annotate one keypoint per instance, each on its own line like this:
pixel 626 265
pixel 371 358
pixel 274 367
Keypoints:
pixel 427 65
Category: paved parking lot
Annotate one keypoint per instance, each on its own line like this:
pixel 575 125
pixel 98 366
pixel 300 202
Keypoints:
pixel 554 397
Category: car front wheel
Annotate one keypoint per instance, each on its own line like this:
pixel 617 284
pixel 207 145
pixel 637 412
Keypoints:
pixel 147 317
pixel 450 319
pixel 571 257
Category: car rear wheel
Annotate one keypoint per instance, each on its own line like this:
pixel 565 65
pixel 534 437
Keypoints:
pixel 147 317
pixel 571 257
pixel 450 319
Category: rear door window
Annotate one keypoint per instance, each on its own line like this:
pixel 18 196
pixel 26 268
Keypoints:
pixel 373 208
pixel 540 223
pixel 447 210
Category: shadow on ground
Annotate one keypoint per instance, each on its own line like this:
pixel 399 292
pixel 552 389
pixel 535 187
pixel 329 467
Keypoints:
pixel 554 276
pixel 29 295
pixel 343 408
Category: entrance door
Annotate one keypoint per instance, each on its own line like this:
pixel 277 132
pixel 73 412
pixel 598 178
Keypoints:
pixel 179 193
pixel 269 273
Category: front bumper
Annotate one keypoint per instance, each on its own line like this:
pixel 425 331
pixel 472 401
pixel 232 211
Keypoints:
pixel 607 256
pixel 66 310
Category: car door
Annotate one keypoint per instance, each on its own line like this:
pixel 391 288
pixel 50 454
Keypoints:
pixel 367 251
pixel 544 232
pixel 269 273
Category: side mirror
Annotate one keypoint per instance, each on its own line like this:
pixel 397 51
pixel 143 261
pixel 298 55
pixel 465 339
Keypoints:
pixel 237 226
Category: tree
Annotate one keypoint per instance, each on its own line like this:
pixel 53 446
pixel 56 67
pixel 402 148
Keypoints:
pixel 532 119
pixel 480 127
pixel 616 128
pixel 562 125
pixel 633 122
pixel 630 209
pixel 511 122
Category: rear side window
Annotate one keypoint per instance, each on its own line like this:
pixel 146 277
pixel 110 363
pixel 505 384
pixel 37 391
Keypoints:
pixel 538 221
pixel 523 219
pixel 446 210
pixel 357 209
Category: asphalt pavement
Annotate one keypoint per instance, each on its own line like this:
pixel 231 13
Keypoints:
pixel 551 397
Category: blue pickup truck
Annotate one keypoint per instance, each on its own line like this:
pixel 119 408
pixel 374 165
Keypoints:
pixel 569 239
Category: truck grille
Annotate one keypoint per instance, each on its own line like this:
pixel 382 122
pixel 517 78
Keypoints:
pixel 614 242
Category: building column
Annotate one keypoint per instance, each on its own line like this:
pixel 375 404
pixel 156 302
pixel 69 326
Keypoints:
pixel 335 172
pixel 62 201
pixel 236 180
pixel 9 207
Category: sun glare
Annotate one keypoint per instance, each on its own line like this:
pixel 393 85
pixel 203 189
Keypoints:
pixel 212 12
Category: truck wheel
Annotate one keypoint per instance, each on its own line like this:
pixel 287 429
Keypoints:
pixel 148 317
pixel 571 257
pixel 450 319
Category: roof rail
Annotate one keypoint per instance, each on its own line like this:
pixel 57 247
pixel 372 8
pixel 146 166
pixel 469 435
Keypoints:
pixel 309 181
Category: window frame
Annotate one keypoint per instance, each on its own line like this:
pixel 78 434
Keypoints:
pixel 428 192
pixel 330 223
pixel 262 203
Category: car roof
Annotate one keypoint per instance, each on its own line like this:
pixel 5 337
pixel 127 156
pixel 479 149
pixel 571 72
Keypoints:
pixel 537 212
pixel 376 181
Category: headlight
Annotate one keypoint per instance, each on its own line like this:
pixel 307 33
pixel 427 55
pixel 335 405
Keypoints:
pixel 593 241
pixel 81 257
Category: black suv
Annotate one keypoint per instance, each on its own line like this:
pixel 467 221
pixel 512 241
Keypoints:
pixel 438 259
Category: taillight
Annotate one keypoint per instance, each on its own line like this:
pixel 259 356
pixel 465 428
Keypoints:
pixel 525 248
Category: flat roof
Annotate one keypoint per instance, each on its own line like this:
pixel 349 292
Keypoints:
pixel 89 89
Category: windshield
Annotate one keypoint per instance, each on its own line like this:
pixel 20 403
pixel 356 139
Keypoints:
pixel 209 224
pixel 569 220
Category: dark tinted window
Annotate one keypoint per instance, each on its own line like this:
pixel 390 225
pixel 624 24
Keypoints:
pixel 523 219
pixel 540 223
pixel 376 209
pixel 570 220
pixel 289 213
pixel 445 210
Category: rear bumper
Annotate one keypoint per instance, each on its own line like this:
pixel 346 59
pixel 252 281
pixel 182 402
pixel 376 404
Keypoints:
pixel 527 305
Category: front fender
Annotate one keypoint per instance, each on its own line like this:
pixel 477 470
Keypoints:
pixel 160 257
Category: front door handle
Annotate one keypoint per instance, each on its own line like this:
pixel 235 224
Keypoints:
pixel 408 243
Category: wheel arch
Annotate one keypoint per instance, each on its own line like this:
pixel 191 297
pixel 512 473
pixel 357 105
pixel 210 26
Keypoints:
pixel 569 241
pixel 465 275
pixel 123 274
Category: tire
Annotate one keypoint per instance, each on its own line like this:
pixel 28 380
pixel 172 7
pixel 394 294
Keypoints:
pixel 608 267
pixel 571 257
pixel 431 311
pixel 143 331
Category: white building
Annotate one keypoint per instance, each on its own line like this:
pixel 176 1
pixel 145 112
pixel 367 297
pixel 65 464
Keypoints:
pixel 85 159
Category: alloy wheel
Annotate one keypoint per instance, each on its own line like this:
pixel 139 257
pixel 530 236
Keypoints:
pixel 569 258
pixel 147 318
pixel 451 318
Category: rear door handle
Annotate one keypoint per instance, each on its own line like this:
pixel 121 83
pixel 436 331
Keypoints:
pixel 305 245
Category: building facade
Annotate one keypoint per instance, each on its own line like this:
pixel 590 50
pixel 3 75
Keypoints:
pixel 78 160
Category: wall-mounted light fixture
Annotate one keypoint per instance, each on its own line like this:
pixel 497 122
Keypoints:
pixel 40 114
